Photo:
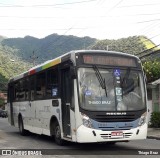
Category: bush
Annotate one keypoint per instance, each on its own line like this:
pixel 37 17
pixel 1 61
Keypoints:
pixel 1 102
pixel 155 119
pixel 152 69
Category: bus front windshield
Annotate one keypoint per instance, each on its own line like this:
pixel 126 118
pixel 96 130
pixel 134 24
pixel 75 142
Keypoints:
pixel 123 90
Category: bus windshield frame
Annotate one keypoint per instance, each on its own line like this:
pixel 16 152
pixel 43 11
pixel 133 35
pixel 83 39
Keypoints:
pixel 119 76
pixel 124 92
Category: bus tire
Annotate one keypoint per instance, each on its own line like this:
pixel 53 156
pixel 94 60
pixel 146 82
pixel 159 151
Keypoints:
pixel 22 131
pixel 57 136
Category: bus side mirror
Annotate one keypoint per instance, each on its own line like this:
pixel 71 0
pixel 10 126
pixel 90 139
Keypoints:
pixel 73 72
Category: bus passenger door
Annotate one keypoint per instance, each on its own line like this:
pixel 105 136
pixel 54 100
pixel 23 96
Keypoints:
pixel 66 101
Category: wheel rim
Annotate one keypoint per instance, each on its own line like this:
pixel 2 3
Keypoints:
pixel 58 132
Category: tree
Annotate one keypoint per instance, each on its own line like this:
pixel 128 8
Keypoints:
pixel 152 69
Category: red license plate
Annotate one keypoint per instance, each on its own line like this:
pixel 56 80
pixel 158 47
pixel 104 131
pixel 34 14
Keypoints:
pixel 118 134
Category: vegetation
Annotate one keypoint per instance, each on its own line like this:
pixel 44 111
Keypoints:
pixel 152 69
pixel 155 119
pixel 46 48
pixel 54 45
pixel 131 45
pixel 10 65
pixel 1 103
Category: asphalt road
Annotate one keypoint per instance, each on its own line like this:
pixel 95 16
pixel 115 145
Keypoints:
pixel 11 139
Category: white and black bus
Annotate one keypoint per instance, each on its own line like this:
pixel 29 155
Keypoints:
pixel 83 96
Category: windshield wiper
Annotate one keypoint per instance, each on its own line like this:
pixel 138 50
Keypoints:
pixel 126 82
pixel 126 76
pixel 100 78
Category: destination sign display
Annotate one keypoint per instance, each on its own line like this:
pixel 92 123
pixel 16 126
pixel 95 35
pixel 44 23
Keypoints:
pixel 109 60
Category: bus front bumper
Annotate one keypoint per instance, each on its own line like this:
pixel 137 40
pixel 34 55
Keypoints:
pixel 86 135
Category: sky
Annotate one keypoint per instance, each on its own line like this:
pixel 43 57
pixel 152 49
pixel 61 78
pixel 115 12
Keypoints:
pixel 101 19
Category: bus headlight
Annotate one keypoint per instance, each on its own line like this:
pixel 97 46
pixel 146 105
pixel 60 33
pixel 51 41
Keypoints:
pixel 86 121
pixel 142 119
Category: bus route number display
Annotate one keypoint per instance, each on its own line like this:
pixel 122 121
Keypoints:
pixel 109 60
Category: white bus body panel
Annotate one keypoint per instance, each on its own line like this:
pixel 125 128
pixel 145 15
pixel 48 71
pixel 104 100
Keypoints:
pixel 73 126
pixel 37 115
pixel 9 113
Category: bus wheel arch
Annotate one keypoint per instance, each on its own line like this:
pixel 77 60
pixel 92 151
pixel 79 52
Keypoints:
pixel 55 131
pixel 52 125
pixel 22 131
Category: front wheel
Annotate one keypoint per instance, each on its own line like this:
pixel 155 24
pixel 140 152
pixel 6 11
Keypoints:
pixel 57 136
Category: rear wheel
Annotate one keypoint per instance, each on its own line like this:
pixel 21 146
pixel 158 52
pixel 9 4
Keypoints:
pixel 22 131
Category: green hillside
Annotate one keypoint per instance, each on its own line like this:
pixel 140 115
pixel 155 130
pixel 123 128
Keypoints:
pixel 10 65
pixel 55 45
pixel 47 48
pixel 132 45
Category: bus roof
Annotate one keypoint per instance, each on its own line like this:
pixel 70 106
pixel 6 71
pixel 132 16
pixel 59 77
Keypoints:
pixel 59 59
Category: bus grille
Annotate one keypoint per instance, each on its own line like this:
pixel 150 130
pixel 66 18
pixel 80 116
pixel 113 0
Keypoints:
pixel 108 136
pixel 113 118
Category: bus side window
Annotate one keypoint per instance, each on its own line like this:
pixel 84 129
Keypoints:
pixel 40 85
pixel 14 93
pixel 10 93
pixel 52 83
pixel 21 94
pixel 26 89
pixel 17 87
